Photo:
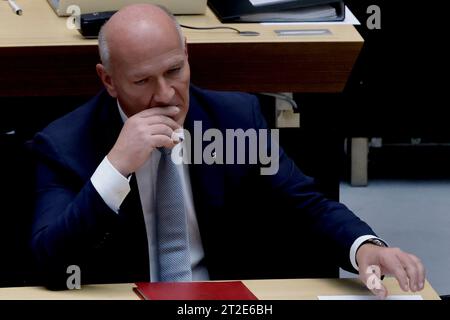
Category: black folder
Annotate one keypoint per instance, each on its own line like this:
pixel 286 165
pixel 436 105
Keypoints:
pixel 236 11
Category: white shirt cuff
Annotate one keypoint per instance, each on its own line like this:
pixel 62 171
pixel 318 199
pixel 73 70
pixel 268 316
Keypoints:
pixel 355 246
pixel 110 184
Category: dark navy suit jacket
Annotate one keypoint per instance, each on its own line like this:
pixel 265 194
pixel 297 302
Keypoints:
pixel 251 225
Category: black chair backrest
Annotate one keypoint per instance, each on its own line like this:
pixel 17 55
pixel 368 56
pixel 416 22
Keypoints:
pixel 21 118
pixel 16 197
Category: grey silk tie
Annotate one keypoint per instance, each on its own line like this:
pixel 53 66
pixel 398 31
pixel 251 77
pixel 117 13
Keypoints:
pixel 171 223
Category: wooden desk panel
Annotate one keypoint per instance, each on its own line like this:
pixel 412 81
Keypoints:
pixel 49 71
pixel 309 289
pixel 122 291
pixel 39 56
pixel 284 67
pixel 287 67
pixel 286 289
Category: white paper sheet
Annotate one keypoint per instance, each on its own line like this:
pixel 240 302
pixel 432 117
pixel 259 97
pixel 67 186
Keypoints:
pixel 257 3
pixel 350 297
pixel 349 19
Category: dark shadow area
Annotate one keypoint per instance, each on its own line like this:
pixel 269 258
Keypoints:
pixel 317 146
pixel 22 117
pixel 409 162
pixel 397 90
pixel 398 86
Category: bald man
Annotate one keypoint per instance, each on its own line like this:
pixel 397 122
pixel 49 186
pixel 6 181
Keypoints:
pixel 98 193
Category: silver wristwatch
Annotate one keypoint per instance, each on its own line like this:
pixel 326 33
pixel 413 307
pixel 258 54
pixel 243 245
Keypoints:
pixel 376 242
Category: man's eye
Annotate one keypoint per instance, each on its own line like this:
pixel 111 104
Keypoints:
pixel 174 70
pixel 140 82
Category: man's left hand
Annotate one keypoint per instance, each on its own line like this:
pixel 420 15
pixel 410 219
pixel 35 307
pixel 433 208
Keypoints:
pixel 374 261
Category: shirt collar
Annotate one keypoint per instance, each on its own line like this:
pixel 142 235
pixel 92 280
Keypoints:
pixel 123 116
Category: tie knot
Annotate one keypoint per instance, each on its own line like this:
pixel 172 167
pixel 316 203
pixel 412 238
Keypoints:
pixel 164 151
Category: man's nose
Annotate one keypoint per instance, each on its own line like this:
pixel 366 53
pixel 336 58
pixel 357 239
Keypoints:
pixel 164 92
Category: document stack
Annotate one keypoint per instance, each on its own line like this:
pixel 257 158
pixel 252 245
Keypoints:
pixel 235 11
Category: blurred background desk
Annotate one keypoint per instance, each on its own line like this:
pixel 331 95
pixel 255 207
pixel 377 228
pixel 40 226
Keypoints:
pixel 40 56
pixel 286 289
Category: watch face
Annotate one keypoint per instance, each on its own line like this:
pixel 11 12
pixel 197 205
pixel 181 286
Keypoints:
pixel 377 242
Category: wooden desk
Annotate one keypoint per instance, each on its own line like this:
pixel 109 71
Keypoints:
pixel 40 56
pixel 289 289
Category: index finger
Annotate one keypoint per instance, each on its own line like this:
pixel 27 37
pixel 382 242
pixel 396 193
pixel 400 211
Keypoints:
pixel 395 267
pixel 169 111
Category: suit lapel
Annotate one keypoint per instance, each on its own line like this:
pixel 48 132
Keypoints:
pixel 112 125
pixel 102 133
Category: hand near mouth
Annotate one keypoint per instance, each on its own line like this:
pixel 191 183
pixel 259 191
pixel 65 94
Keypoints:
pixel 141 134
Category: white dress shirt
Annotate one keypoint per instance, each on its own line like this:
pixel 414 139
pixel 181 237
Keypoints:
pixel 113 187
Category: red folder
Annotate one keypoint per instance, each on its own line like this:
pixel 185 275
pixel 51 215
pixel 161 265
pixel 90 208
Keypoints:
pixel 228 290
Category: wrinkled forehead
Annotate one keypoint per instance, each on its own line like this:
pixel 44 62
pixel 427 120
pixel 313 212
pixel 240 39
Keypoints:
pixel 146 45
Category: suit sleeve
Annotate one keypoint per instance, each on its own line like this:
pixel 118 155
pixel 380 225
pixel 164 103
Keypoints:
pixel 330 219
pixel 71 220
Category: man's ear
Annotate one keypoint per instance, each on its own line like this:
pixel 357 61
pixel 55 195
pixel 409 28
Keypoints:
pixel 106 79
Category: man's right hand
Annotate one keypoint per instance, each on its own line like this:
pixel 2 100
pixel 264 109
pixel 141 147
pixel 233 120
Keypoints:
pixel 140 135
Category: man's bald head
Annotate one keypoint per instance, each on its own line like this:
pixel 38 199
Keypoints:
pixel 134 25
pixel 144 60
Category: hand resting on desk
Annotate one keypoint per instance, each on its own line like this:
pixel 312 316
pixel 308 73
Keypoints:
pixel 406 268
